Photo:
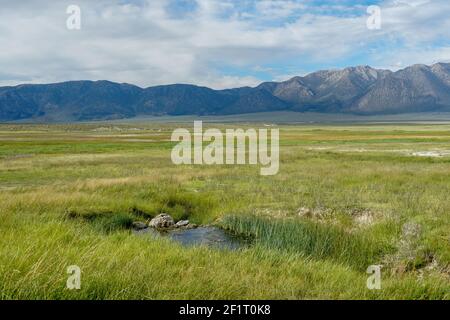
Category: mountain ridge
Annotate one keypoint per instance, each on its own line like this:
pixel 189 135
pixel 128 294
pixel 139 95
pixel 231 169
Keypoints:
pixel 353 90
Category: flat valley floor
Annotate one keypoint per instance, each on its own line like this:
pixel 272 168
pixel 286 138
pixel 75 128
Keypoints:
pixel 346 197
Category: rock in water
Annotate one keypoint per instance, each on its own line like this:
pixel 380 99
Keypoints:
pixel 182 223
pixel 138 225
pixel 162 221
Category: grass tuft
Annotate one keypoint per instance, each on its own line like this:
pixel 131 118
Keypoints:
pixel 311 239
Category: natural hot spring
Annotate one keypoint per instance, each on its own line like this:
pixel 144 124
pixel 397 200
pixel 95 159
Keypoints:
pixel 202 236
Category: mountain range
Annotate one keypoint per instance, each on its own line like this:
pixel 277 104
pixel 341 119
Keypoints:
pixel 355 90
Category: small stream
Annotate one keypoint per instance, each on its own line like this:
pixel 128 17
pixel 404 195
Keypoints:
pixel 202 236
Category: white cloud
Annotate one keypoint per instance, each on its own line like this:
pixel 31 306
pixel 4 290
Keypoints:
pixel 219 82
pixel 275 9
pixel 140 42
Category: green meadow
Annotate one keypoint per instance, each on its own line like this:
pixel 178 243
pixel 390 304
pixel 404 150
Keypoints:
pixel 347 196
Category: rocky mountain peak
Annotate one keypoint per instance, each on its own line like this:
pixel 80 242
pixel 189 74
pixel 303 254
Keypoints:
pixel 360 89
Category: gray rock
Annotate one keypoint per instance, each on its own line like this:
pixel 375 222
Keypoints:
pixel 162 221
pixel 182 223
pixel 138 225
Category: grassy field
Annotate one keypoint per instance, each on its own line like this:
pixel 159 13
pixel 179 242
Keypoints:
pixel 346 197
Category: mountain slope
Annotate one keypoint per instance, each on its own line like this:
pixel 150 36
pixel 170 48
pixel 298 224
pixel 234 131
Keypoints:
pixel 418 88
pixel 359 90
pixel 76 100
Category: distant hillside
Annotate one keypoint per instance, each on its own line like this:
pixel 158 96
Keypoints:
pixel 355 90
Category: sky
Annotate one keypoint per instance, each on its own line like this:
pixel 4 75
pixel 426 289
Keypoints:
pixel 214 43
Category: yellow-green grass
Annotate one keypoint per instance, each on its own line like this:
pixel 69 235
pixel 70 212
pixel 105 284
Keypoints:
pixel 68 194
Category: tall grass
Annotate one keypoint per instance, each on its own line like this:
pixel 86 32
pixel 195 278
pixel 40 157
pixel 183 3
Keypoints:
pixel 107 182
pixel 311 239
